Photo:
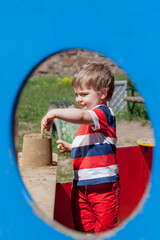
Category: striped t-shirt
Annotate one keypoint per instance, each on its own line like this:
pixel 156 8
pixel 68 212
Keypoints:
pixel 94 151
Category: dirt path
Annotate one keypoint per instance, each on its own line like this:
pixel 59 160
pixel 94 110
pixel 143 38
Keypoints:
pixel 129 132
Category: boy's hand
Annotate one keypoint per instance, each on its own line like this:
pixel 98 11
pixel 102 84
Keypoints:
pixel 47 121
pixel 64 146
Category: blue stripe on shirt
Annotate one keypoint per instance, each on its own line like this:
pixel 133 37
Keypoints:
pixel 110 118
pixel 93 150
pixel 95 181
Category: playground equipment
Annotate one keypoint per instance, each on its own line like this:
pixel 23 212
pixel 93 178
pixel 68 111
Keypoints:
pixel 125 31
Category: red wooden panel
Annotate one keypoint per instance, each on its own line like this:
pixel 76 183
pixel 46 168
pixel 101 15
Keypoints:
pixel 134 170
pixel 62 209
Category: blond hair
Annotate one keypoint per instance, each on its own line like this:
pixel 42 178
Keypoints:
pixel 95 75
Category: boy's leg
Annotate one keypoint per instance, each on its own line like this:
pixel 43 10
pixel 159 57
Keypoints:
pixel 105 205
pixel 82 214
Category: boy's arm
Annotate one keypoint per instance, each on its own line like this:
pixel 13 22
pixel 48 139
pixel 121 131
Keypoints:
pixel 72 115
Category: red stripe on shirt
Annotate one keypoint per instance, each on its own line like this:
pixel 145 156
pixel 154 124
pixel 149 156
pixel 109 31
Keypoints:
pixel 94 162
pixel 85 129
pixel 106 130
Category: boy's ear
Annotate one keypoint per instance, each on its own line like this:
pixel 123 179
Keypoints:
pixel 104 93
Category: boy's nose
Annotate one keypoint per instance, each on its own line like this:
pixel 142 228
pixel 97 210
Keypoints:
pixel 79 98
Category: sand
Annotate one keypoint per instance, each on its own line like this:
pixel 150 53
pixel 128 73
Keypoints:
pixel 37 150
pixel 40 183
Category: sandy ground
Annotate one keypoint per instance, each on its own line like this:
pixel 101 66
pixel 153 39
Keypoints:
pixel 41 181
pixel 129 132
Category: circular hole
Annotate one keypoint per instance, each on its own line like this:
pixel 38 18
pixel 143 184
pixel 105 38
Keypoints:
pixel 49 184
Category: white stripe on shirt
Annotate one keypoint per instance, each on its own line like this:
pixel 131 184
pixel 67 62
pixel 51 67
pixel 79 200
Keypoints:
pixel 93 173
pixel 95 120
pixel 91 139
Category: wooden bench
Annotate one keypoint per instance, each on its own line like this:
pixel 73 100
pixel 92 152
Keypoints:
pixel 133 99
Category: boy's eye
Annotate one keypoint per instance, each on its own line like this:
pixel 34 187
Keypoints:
pixel 81 94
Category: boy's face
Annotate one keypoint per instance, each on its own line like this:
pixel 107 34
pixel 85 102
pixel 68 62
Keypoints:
pixel 87 97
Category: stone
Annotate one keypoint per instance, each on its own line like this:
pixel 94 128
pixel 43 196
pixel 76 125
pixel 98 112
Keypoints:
pixel 43 68
pixel 67 62
pixel 82 61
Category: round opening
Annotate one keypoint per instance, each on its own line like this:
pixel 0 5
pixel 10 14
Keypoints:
pixel 47 173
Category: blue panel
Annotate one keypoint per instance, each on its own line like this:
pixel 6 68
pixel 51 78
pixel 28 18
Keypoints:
pixel 125 31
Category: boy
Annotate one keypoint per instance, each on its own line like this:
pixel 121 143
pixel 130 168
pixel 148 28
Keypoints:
pixel 95 191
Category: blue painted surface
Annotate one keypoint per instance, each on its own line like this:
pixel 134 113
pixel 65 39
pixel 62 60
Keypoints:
pixel 125 31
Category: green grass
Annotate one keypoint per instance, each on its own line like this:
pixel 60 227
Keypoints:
pixel 137 115
pixel 38 93
pixel 64 174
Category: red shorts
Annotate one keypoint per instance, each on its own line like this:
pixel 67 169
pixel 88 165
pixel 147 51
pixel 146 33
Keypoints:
pixel 95 207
